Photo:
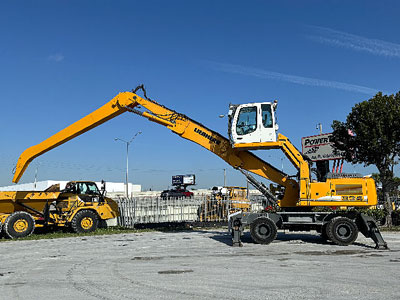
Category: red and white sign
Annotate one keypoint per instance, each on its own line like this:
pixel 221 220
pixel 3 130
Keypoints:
pixel 320 147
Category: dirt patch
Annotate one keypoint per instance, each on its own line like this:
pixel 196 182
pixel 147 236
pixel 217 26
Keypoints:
pixel 15 283
pixel 125 240
pixel 175 271
pixel 337 252
pixel 56 256
pixel 375 255
pixel 147 258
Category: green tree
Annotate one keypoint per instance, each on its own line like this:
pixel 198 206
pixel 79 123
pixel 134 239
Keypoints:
pixel 394 192
pixel 371 136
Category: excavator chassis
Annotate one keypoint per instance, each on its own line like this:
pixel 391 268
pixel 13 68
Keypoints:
pixel 340 227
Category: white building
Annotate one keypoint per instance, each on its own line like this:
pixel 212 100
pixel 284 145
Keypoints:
pixel 112 188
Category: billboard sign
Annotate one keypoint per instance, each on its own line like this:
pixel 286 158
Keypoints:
pixel 320 147
pixel 184 179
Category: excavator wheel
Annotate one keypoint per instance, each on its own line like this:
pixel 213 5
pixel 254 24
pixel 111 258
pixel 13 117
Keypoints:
pixel 342 231
pixel 19 224
pixel 263 230
pixel 84 221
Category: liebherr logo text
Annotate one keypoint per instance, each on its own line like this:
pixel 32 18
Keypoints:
pixel 207 136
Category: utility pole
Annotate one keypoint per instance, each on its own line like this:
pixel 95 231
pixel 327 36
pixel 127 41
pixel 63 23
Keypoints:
pixel 322 165
pixel 127 159
pixel 319 126
pixel 248 191
pixel 36 172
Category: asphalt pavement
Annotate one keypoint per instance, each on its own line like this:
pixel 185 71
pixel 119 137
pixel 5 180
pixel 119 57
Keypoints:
pixel 198 264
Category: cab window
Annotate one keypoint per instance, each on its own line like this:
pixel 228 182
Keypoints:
pixel 87 188
pixel 266 115
pixel 92 188
pixel 247 120
pixel 81 188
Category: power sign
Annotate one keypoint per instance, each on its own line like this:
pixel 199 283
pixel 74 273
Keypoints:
pixel 320 147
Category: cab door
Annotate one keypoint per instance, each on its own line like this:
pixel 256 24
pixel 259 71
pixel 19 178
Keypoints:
pixel 267 127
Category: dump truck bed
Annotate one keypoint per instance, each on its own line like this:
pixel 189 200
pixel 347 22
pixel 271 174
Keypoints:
pixel 11 201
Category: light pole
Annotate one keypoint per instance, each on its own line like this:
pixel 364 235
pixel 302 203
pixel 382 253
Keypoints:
pixel 36 173
pixel 224 177
pixel 319 126
pixel 127 162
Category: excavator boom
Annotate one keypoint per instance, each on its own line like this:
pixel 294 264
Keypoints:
pixel 177 123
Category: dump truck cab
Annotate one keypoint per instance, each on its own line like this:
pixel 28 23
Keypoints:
pixel 87 191
pixel 84 195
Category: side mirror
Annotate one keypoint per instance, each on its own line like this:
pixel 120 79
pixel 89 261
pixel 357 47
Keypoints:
pixel 103 187
pixel 276 126
pixel 275 104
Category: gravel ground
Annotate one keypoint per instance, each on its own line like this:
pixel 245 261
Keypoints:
pixel 198 265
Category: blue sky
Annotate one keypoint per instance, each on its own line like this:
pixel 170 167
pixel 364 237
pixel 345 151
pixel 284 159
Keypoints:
pixel 60 60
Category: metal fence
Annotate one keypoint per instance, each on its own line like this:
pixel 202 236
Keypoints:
pixel 147 210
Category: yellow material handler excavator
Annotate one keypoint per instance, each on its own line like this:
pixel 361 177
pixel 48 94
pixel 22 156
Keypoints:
pixel 252 126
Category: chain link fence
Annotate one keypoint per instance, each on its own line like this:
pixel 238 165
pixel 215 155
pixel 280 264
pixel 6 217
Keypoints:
pixel 152 210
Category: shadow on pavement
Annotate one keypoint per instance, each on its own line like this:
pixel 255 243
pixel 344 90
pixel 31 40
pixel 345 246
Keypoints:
pixel 225 238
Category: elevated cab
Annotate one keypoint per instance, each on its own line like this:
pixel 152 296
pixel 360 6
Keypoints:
pixel 252 123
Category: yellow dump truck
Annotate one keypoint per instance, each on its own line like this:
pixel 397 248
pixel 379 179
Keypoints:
pixel 80 206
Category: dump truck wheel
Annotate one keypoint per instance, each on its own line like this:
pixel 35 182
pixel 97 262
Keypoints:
pixel 342 231
pixel 102 224
pixel 263 230
pixel 19 224
pixel 84 221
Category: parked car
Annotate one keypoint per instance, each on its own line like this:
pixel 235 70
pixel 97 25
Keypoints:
pixel 176 193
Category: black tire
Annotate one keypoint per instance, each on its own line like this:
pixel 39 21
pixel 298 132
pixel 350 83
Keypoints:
pixel 85 221
pixel 102 224
pixel 19 224
pixel 342 231
pixel 263 230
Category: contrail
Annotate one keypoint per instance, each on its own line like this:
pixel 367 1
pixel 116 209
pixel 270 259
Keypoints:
pixel 237 69
pixel 355 42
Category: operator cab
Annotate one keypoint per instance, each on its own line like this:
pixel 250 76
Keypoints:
pixel 86 190
pixel 252 123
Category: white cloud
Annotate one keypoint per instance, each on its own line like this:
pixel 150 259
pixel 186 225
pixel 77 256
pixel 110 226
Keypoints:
pixel 58 57
pixel 237 69
pixel 355 42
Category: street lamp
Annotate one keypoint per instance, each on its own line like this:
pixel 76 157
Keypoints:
pixel 127 152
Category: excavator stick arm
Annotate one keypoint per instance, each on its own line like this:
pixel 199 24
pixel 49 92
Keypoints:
pixel 115 107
